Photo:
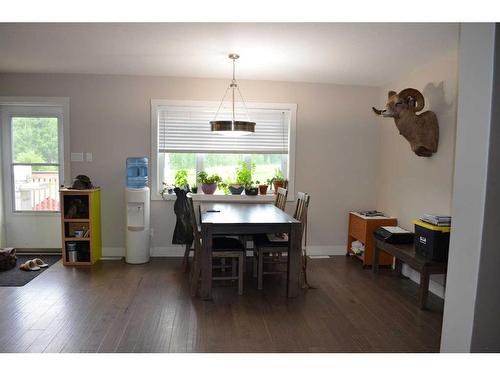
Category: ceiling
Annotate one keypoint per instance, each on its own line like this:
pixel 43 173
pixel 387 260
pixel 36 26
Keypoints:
pixel 343 53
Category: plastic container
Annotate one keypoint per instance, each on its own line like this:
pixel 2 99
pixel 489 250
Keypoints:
pixel 72 253
pixel 137 172
pixel 432 241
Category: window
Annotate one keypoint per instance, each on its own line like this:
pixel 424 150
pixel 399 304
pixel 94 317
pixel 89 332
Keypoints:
pixel 182 140
pixel 35 163
pixel 33 157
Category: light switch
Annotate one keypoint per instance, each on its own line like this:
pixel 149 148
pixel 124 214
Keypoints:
pixel 77 156
pixel 88 156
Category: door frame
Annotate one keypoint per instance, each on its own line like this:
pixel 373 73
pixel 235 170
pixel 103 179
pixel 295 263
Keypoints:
pixel 51 106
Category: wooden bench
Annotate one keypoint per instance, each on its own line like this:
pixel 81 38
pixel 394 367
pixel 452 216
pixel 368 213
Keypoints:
pixel 406 254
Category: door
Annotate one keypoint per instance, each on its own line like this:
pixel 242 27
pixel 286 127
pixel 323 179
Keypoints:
pixel 33 152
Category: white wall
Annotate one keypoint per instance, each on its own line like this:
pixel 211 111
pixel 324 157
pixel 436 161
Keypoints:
pixel 2 220
pixel 471 161
pixel 110 117
pixel 408 185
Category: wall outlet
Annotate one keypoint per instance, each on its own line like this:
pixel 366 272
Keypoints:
pixel 88 156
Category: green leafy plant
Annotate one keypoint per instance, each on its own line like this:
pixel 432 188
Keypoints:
pixel 181 179
pixel 244 174
pixel 278 175
pixel 224 185
pixel 204 178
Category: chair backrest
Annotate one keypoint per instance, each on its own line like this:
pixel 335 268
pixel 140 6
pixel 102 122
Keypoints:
pixel 300 213
pixel 280 201
pixel 194 223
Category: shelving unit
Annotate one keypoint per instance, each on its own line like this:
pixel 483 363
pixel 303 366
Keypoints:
pixel 361 228
pixel 81 210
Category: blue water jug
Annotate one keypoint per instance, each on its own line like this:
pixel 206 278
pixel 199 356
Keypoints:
pixel 137 172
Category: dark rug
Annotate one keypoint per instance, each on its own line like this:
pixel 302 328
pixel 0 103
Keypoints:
pixel 18 277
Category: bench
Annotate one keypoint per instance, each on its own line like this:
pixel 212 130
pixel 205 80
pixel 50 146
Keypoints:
pixel 405 253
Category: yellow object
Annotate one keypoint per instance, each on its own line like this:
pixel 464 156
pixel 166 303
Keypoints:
pixel 88 243
pixel 431 227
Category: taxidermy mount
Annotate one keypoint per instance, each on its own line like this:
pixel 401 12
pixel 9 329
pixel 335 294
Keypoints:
pixel 421 130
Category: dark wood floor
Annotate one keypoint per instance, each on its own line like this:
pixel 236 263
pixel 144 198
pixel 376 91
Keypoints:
pixel 114 307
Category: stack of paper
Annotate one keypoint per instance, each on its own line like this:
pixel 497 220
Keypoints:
pixel 439 220
pixel 357 247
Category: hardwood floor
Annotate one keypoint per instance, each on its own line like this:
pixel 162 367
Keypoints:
pixel 115 307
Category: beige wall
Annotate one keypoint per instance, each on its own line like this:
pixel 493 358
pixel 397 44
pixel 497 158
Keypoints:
pixel 407 185
pixel 110 117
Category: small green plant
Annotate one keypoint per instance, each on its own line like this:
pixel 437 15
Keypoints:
pixel 244 174
pixel 224 185
pixel 278 175
pixel 204 178
pixel 181 179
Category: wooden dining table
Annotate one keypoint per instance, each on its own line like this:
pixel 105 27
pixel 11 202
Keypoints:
pixel 248 219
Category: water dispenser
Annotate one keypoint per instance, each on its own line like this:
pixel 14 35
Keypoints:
pixel 137 211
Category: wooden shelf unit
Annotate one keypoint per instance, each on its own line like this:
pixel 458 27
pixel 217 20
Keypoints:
pixel 81 209
pixel 361 228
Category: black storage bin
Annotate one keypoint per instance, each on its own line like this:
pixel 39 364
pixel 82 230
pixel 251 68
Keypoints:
pixel 432 241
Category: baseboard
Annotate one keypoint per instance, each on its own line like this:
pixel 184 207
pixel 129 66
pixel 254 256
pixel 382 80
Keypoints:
pixel 178 250
pixel 326 250
pixel 112 252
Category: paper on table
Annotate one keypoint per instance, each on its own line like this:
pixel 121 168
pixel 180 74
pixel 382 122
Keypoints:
pixel 396 230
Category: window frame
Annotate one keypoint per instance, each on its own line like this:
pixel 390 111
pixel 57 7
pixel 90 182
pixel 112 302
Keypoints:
pixel 33 107
pixel 156 105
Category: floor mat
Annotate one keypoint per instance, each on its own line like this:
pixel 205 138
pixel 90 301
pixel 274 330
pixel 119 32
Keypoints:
pixel 18 277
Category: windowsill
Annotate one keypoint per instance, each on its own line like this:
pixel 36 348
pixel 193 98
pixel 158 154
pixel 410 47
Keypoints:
pixel 227 198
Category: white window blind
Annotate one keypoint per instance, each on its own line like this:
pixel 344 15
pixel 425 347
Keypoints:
pixel 187 129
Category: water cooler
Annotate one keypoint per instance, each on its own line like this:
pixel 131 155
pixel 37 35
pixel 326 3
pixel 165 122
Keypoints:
pixel 137 206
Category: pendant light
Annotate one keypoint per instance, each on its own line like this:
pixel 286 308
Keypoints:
pixel 233 126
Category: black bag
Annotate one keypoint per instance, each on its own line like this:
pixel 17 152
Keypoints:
pixel 183 232
pixel 82 182
pixel 8 258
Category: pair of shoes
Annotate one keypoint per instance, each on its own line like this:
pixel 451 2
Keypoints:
pixel 33 265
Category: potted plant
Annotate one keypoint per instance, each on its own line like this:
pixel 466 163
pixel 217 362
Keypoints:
pixel 209 183
pixel 243 178
pixel 166 190
pixel 278 180
pixel 181 180
pixel 194 189
pixel 262 188
pixel 251 189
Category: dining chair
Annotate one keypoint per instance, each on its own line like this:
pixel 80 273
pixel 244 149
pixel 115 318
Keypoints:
pixel 222 248
pixel 269 249
pixel 280 200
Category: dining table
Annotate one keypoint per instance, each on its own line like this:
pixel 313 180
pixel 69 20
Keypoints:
pixel 244 219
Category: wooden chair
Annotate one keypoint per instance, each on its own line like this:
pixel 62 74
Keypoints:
pixel 269 249
pixel 222 248
pixel 280 200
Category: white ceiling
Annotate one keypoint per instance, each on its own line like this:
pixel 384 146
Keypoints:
pixel 360 54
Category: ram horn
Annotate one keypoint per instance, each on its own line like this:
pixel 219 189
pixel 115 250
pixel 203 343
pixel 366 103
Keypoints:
pixel 416 95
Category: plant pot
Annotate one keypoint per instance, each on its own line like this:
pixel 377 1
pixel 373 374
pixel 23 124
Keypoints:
pixel 252 191
pixel 278 184
pixel 263 189
pixel 208 188
pixel 194 189
pixel 236 189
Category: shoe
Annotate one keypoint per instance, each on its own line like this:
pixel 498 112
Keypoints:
pixel 40 263
pixel 30 265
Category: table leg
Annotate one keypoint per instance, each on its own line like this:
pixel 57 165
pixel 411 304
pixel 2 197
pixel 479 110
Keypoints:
pixel 375 256
pixel 294 262
pixel 206 261
pixel 399 267
pixel 424 288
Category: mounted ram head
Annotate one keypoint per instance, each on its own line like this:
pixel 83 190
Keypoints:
pixel 421 130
